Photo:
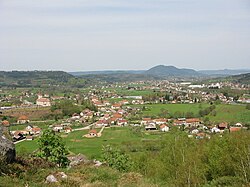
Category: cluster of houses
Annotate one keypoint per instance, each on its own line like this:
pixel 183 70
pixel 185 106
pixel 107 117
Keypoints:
pixel 194 126
pixel 28 133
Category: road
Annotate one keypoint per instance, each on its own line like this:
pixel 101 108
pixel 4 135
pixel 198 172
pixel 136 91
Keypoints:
pixel 83 128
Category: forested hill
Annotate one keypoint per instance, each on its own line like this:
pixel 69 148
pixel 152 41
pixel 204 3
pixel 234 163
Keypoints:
pixel 32 78
pixel 162 70
pixel 243 78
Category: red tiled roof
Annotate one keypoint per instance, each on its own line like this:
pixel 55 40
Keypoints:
pixel 36 129
pixel 5 123
pixel 223 125
pixel 162 126
pixel 234 129
pixel 192 120
pixel 93 131
pixel 43 100
pixel 23 118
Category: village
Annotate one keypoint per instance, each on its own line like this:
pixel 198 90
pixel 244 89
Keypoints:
pixel 113 108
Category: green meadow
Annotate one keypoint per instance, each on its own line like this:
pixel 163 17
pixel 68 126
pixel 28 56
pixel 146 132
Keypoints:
pixel 91 147
pixel 224 112
pixel 231 114
pixel 155 109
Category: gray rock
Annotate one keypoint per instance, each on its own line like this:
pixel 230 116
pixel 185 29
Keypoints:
pixel 7 147
pixel 97 163
pixel 51 179
pixel 62 175
pixel 75 160
pixel 56 177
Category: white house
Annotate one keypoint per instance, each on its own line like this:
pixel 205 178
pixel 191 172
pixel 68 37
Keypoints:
pixel 43 102
pixel 164 128
pixel 215 130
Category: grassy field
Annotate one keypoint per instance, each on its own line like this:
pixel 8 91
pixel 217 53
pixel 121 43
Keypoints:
pixel 91 147
pixel 42 125
pixel 224 112
pixel 155 109
pixel 231 113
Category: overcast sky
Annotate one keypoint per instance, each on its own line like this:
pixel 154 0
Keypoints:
pixel 81 35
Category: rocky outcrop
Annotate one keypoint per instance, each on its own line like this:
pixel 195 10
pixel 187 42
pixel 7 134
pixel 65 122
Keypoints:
pixel 78 159
pixel 7 148
pixel 59 176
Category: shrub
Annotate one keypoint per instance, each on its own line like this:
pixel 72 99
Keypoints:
pixel 115 158
pixel 52 148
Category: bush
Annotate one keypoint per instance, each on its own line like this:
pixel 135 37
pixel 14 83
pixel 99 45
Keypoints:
pixel 52 148
pixel 115 158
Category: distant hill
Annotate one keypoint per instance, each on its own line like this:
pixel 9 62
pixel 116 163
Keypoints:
pixel 107 72
pixel 118 77
pixel 31 78
pixel 243 78
pixel 224 72
pixel 166 71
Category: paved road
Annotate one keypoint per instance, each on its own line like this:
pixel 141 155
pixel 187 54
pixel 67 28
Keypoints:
pixel 83 128
pixel 19 141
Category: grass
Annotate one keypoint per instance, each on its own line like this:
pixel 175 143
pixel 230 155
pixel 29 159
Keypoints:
pixel 90 147
pixel 231 113
pixel 42 125
pixel 155 109
pixel 26 147
pixel 224 112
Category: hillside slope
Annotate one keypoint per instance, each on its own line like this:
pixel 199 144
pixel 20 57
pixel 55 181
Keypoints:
pixel 162 70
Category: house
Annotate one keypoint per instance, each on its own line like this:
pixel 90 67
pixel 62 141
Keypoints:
pixel 92 133
pixel 112 121
pixel 43 102
pixel 215 130
pixel 29 138
pixel 5 123
pixel 36 130
pixel 98 104
pixel 67 129
pixel 194 131
pixel 121 111
pixel 238 125
pixel 23 119
pixel 193 122
pixel 117 116
pixel 116 106
pixel 57 128
pixel 106 103
pixel 18 135
pixel 164 128
pixel 124 102
pixel 145 121
pixel 150 126
pixel 102 123
pixel 75 116
pixel 122 122
pixel 223 126
pixel 137 102
pixel 29 128
pixel 234 129
pixel 85 112
pixel 179 122
pixel 160 121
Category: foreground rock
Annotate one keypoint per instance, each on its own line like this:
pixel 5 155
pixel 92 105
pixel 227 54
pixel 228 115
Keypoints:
pixel 7 147
pixel 51 179
pixel 56 177
pixel 78 159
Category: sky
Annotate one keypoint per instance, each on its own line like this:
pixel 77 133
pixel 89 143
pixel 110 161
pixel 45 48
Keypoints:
pixel 90 35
